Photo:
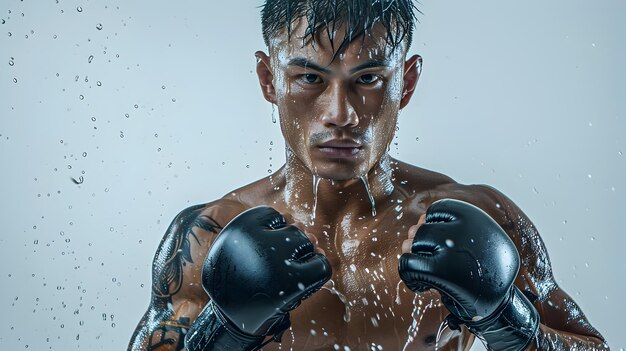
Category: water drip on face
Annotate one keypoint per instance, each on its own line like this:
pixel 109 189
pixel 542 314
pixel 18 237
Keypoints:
pixel 369 193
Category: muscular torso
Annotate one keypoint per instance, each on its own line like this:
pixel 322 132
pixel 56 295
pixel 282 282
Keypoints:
pixel 365 305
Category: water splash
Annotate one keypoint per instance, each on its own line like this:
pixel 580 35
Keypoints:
pixel 444 324
pixel 415 324
pixel 369 193
pixel 346 316
pixel 316 183
pixel 398 302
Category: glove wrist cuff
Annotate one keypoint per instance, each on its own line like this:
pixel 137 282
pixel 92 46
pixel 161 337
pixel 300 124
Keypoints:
pixel 212 331
pixel 512 327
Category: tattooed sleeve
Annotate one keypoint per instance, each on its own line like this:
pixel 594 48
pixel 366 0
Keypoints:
pixel 162 327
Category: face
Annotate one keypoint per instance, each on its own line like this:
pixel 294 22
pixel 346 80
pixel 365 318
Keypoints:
pixel 338 117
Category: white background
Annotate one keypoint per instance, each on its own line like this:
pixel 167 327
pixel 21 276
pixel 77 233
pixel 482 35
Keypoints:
pixel 525 96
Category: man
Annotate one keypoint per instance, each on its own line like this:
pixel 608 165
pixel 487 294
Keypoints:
pixel 395 256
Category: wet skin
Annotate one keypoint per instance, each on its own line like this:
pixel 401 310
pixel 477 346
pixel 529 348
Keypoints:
pixel 338 118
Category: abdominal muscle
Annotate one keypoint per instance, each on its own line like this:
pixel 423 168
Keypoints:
pixel 366 306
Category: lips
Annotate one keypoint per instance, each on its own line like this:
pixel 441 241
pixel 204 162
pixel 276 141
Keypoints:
pixel 340 148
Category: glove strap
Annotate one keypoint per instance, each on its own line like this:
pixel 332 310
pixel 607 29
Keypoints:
pixel 213 331
pixel 512 327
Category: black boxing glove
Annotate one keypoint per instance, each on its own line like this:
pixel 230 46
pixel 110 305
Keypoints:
pixel 465 255
pixel 257 270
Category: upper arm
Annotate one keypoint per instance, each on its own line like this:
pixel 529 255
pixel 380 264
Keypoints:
pixel 558 311
pixel 177 292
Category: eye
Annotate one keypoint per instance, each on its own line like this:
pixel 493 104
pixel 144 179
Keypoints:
pixel 368 79
pixel 310 78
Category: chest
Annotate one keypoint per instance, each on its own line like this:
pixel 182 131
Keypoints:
pixel 366 305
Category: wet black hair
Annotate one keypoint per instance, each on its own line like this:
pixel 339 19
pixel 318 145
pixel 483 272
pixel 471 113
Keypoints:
pixel 359 16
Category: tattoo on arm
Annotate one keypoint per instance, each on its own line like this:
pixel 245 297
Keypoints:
pixel 175 250
pixel 158 329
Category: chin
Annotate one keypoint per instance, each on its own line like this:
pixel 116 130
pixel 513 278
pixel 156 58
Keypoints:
pixel 338 171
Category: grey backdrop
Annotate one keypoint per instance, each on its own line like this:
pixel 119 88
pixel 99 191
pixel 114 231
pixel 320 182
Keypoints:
pixel 156 106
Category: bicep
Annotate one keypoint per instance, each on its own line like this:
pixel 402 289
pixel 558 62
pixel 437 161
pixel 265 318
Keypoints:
pixel 177 292
pixel 557 310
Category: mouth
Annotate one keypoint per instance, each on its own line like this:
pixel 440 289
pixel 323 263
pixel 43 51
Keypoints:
pixel 340 148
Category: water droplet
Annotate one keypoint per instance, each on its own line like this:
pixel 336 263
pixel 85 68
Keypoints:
pixel 173 99
pixel 449 243
pixel 10 34
pixel 99 26
pixel 90 58
pixel 127 115
pixel 99 83
pixel 163 87
pixel 11 63
pixel 93 119
pixel 273 113
pixel 79 9
pixel 589 176
pixel 14 80
pixel 82 97
pixel 136 106
pixel 364 180
pixel 84 154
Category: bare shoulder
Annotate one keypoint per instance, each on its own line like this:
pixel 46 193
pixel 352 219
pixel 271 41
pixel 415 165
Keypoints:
pixel 413 179
pixel 425 186
pixel 430 186
pixel 259 192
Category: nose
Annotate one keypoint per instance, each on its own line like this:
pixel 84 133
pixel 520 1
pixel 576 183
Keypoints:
pixel 338 111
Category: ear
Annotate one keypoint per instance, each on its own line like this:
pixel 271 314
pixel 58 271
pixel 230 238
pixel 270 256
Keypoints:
pixel 266 78
pixel 412 71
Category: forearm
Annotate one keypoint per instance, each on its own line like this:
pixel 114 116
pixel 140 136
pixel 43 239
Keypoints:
pixel 158 331
pixel 552 339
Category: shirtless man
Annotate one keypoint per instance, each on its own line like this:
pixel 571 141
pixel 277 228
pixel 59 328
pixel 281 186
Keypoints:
pixel 393 267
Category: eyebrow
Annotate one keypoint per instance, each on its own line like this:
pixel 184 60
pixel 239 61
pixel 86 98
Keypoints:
pixel 305 63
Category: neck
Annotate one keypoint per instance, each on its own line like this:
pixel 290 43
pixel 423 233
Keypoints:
pixel 316 200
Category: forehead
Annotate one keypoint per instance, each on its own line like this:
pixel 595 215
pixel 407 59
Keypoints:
pixel 325 45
